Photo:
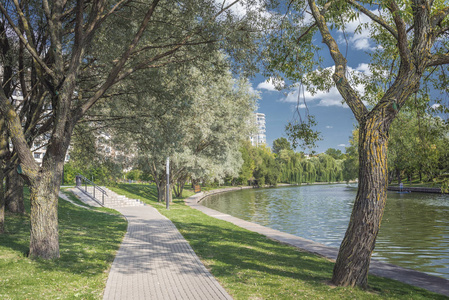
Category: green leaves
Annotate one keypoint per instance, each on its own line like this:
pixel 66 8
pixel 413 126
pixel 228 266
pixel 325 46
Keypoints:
pixel 302 134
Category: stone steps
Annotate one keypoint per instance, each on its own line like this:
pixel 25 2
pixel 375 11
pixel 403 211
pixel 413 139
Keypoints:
pixel 112 199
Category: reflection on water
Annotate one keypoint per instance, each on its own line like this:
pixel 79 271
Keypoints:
pixel 414 231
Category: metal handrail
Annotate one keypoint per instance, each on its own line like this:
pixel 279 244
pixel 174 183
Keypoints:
pixel 95 187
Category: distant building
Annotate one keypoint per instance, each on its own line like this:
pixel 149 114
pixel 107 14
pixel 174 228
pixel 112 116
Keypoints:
pixel 259 138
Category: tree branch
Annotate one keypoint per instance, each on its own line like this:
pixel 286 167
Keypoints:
pixel 95 22
pixel 374 17
pixel 438 60
pixel 27 42
pixel 352 99
pixel 119 65
pixel 28 164
pixel 404 51
pixel 439 17
pixel 422 27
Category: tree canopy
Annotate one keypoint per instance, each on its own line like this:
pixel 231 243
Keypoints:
pixel 281 144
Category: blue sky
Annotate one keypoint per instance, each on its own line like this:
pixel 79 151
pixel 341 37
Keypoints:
pixel 335 121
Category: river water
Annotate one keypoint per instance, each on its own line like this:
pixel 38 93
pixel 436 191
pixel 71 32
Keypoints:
pixel 414 231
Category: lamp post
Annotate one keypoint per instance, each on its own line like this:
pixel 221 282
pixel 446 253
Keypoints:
pixel 167 199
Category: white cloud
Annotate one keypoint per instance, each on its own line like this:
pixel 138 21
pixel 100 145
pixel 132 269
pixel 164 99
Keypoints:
pixel 320 98
pixel 237 9
pixel 328 98
pixel 266 85
pixel 270 84
pixel 359 40
pixel 364 68
pixel 329 127
pixel 362 44
pixel 241 9
pixel 342 145
pixel 436 105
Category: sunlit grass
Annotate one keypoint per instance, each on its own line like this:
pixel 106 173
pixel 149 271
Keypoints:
pixel 251 266
pixel 89 240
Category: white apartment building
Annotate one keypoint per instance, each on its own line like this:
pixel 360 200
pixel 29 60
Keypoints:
pixel 259 138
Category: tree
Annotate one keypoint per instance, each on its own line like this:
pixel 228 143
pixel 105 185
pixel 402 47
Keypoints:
pixel 195 114
pixel 246 172
pixel 351 163
pixel 416 145
pixel 411 47
pixel 281 144
pixel 134 174
pixel 64 38
pixel 266 167
pixel 335 153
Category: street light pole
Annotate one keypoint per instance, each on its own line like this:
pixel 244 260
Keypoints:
pixel 167 199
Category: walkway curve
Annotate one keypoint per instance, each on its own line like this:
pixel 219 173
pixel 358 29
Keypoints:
pixel 432 283
pixel 156 262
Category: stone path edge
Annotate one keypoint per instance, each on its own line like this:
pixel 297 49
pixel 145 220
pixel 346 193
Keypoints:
pixel 431 283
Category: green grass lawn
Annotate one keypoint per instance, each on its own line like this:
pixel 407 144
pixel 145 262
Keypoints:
pixel 89 240
pixel 251 266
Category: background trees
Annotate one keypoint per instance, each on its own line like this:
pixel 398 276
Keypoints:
pixel 196 114
pixel 281 144
pixel 417 147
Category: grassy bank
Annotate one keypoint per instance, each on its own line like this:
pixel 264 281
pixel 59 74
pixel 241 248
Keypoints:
pixel 251 266
pixel 89 240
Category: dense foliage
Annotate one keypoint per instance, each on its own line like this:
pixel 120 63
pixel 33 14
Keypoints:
pixel 263 167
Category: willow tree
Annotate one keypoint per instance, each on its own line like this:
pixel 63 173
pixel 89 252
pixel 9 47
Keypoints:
pixel 196 114
pixel 152 34
pixel 411 47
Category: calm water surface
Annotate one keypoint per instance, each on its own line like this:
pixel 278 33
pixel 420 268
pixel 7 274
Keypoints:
pixel 414 232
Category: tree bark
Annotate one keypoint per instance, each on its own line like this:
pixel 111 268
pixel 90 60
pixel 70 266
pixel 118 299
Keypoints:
pixel 14 192
pixel 351 268
pixel 44 241
pixel 180 185
pixel 162 190
pixel 2 200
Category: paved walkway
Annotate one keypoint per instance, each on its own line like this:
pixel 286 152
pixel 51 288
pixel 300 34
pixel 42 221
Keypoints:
pixel 432 283
pixel 156 262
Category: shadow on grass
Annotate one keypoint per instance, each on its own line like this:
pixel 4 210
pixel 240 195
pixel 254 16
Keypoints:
pixel 247 250
pixel 87 239
pixel 15 237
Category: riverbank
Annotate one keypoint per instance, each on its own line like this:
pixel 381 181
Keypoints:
pixel 416 189
pixel 423 280
pixel 252 266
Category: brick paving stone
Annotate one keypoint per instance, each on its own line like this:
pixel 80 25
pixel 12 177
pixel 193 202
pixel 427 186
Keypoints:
pixel 156 262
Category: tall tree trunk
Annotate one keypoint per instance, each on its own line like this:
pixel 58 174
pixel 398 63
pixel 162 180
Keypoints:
pixel 2 199
pixel 180 185
pixel 44 241
pixel 14 192
pixel 162 191
pixel 351 268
